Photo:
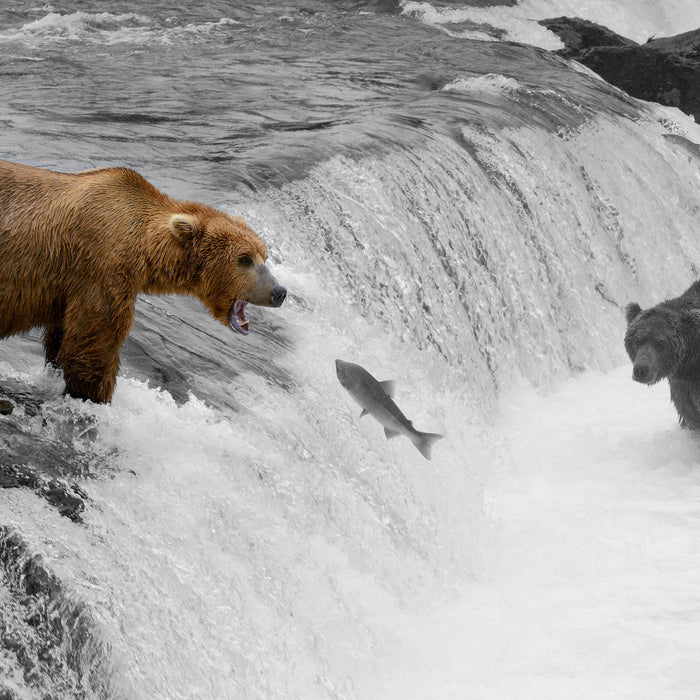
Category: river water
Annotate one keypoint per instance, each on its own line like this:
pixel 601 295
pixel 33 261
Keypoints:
pixel 449 209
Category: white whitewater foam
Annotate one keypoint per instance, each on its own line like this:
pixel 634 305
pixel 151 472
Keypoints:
pixel 587 585
pixel 635 19
pixel 595 590
pixel 106 28
pixel 517 24
pixel 491 82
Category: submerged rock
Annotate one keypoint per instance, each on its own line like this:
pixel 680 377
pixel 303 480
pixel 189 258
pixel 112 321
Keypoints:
pixel 664 70
pixel 38 451
pixel 49 637
pixel 67 497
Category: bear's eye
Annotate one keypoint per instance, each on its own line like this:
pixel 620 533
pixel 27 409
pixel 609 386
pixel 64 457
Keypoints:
pixel 245 260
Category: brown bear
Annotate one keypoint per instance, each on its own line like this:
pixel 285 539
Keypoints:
pixel 663 342
pixel 76 249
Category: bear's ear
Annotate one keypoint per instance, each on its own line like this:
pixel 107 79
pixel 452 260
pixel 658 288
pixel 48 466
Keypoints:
pixel 632 311
pixel 183 227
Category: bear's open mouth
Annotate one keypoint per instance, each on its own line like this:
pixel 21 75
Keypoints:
pixel 237 318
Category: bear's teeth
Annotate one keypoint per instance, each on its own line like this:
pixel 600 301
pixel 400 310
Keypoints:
pixel 237 318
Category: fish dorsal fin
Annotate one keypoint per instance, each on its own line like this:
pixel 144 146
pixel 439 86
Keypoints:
pixel 389 387
pixel 391 433
pixel 364 412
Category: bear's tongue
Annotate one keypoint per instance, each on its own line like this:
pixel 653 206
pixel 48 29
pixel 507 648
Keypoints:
pixel 237 319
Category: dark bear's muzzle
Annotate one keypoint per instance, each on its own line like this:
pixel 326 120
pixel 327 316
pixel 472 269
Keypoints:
pixel 641 373
pixel 646 366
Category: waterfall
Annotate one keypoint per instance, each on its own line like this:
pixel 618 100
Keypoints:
pixel 501 253
pixel 254 538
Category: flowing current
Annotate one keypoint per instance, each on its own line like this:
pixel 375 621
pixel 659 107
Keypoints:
pixel 467 217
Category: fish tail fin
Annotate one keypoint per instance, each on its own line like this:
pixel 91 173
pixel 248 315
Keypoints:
pixel 425 441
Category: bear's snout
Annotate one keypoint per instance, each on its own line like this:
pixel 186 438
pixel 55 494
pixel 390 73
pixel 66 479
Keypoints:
pixel 645 368
pixel 278 295
pixel 266 290
pixel 641 373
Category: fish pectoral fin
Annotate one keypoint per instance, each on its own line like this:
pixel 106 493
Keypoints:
pixel 364 412
pixel 389 387
pixel 391 433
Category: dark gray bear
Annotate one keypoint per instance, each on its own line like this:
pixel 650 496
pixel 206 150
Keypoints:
pixel 663 342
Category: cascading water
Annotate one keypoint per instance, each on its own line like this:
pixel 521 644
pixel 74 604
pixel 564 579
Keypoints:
pixel 506 252
pixel 246 535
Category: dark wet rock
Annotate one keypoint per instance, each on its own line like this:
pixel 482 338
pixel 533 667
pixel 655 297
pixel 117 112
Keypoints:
pixel 6 407
pixel 68 498
pixel 14 393
pixel 580 34
pixel 665 70
pixel 53 638
pixel 200 365
pixel 34 458
pixel 38 449
pixel 50 646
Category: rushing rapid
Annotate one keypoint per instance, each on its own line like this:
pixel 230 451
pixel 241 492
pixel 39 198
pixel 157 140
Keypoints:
pixel 469 218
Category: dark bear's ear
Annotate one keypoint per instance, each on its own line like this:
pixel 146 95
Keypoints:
pixel 183 227
pixel 632 311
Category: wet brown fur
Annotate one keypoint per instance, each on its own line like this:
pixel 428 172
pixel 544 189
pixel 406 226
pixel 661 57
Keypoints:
pixel 76 249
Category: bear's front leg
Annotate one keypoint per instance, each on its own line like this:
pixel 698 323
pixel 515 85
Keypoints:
pixel 89 352
pixel 91 378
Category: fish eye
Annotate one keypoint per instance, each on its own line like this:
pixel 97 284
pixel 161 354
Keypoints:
pixel 245 260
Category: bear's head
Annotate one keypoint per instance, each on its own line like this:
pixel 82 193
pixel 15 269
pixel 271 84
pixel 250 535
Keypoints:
pixel 230 262
pixel 657 340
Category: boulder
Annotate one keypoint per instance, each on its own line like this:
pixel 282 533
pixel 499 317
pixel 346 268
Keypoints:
pixel 665 70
